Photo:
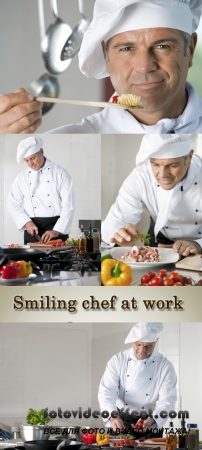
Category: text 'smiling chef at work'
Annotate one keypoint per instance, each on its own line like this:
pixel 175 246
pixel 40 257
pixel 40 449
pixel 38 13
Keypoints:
pixel 138 379
pixel 168 183
pixel 41 198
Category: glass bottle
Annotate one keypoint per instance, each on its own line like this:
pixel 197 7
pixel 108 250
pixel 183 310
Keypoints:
pixel 96 239
pixel 193 436
pixel 183 435
pixel 89 240
pixel 82 241
pixel 171 438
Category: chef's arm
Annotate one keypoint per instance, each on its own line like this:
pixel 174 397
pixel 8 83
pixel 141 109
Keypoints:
pixel 63 224
pixel 19 113
pixel 109 390
pixel 167 394
pixel 15 206
pixel 185 248
pixel 126 210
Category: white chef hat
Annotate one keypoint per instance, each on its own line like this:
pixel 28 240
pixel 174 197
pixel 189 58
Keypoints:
pixel 164 146
pixel 28 147
pixel 116 16
pixel 144 332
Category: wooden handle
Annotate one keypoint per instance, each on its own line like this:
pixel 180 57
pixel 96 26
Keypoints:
pixel 85 103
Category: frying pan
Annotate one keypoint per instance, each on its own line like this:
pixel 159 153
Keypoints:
pixel 32 254
pixel 50 444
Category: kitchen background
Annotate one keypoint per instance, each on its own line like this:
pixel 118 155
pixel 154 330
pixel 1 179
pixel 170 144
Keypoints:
pixel 52 365
pixel 118 163
pixel 80 155
pixel 21 60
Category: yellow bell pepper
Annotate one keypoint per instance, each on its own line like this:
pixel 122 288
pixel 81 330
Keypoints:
pixel 102 439
pixel 25 269
pixel 115 273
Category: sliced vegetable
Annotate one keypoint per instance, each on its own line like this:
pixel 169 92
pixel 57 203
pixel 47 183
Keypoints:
pixel 37 417
pixel 115 273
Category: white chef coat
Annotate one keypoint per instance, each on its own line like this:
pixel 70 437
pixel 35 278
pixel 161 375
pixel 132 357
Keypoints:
pixel 116 121
pixel 47 192
pixel 148 385
pixel 140 189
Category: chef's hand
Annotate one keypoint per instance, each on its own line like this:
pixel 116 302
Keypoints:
pixel 48 235
pixel 19 113
pixel 116 423
pixel 31 228
pixel 184 248
pixel 126 236
pixel 147 424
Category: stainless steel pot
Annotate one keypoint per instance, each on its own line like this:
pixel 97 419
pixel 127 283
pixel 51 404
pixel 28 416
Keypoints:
pixel 33 433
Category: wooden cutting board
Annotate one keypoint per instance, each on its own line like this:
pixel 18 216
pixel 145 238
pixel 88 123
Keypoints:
pixel 40 246
pixel 190 262
pixel 150 442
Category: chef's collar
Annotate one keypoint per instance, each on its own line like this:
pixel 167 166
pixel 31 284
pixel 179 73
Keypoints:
pixel 146 360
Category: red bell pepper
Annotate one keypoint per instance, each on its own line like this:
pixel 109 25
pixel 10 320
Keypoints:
pixel 10 270
pixel 89 438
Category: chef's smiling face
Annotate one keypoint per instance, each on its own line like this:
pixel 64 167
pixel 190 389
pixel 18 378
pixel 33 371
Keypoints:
pixel 169 172
pixel 36 161
pixel 143 350
pixel 151 63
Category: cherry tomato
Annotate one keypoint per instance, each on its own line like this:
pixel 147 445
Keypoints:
pixel 115 99
pixel 178 283
pixel 187 280
pixel 168 281
pixel 145 279
pixel 157 281
pixel 199 282
pixel 144 284
pixel 151 274
pixel 162 273
pixel 176 276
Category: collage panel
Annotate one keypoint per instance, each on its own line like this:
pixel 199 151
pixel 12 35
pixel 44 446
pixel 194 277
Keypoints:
pixel 51 190
pixel 152 208
pixel 77 375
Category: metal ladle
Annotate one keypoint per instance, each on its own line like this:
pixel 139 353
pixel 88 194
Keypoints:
pixel 53 43
pixel 46 85
pixel 74 41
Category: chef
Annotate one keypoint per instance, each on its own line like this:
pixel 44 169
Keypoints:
pixel 168 183
pixel 41 198
pixel 147 48
pixel 138 380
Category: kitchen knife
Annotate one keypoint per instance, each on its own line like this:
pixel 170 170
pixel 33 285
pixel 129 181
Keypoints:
pixel 38 237
pixel 200 262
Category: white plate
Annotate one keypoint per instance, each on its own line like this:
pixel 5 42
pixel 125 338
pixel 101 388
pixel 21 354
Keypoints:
pixel 167 255
pixel 18 248
pixel 17 280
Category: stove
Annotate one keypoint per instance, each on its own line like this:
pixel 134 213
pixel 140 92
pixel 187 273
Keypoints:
pixel 63 267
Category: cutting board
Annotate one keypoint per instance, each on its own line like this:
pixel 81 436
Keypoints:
pixel 190 262
pixel 150 442
pixel 40 245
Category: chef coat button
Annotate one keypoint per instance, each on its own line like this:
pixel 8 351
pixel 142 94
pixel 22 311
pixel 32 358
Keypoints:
pixel 30 171
pixel 150 378
pixel 158 185
pixel 47 181
pixel 30 183
pixel 127 375
pixel 48 168
pixel 153 361
pixel 166 228
pixel 147 394
pixel 196 223
pixel 126 391
pixel 199 232
pixel 32 196
pixel 48 195
pixel 195 183
pixel 49 206
pixel 196 210
pixel 35 207
pixel 142 407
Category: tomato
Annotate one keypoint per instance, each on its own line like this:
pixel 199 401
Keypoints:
pixel 162 273
pixel 199 282
pixel 176 276
pixel 115 99
pixel 168 281
pixel 151 274
pixel 178 283
pixel 145 279
pixel 187 280
pixel 126 441
pixel 157 281
pixel 144 284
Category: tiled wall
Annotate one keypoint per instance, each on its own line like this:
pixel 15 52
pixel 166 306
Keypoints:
pixel 80 155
